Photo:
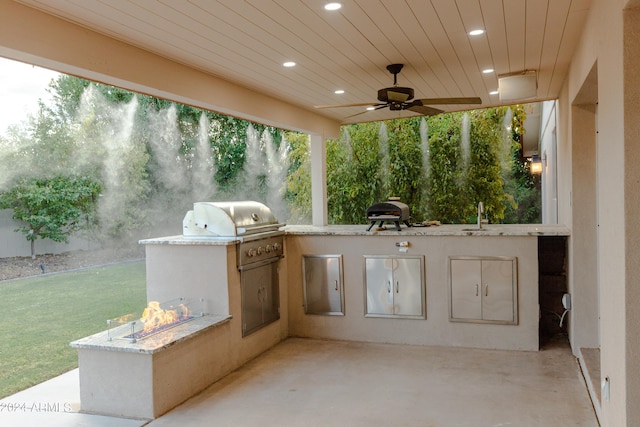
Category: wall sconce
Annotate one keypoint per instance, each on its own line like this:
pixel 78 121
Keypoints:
pixel 536 165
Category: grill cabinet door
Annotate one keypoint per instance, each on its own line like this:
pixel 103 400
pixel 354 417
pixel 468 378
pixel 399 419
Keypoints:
pixel 260 299
pixel 270 295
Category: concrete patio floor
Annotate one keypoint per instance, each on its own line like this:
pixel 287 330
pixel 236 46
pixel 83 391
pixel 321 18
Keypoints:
pixel 318 383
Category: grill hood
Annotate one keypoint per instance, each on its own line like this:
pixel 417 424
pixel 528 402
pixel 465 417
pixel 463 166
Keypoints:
pixel 228 220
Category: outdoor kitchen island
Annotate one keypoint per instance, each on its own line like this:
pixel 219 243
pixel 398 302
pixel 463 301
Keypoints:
pixel 333 282
pixel 420 285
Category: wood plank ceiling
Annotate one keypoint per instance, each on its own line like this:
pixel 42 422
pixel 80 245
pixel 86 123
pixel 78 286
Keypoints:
pixel 246 42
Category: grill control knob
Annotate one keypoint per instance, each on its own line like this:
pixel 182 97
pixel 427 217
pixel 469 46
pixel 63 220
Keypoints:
pixel 260 250
pixel 268 248
pixel 251 252
pixel 277 246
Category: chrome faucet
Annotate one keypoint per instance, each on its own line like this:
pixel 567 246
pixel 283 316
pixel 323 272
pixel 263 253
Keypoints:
pixel 480 212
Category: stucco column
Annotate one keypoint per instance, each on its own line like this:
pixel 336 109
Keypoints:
pixel 318 147
pixel 584 324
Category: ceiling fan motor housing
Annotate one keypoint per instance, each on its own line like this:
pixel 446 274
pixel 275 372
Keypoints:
pixel 395 94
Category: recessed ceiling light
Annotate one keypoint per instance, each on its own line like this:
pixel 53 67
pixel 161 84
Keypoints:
pixel 493 92
pixel 371 108
pixel 339 91
pixel 487 71
pixel 476 32
pixel 332 6
pixel 289 64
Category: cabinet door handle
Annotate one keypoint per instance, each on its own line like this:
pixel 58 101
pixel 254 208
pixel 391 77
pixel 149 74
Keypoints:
pixel 336 283
pixel 264 294
pixel 486 290
pixel 259 294
pixel 476 289
pixel 388 286
pixel 397 286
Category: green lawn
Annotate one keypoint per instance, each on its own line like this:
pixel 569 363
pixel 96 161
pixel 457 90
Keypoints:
pixel 40 316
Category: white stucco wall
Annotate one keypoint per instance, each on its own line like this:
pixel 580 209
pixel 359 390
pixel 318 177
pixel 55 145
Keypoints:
pixel 615 184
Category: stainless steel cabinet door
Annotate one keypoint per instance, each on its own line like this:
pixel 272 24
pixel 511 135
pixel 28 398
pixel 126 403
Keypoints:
pixel 394 286
pixel 323 284
pixel 465 289
pixel 252 284
pixel 378 279
pixel 260 297
pixel 497 290
pixel 271 295
pixel 407 287
pixel 483 289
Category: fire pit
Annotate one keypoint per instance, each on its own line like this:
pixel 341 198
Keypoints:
pixel 156 317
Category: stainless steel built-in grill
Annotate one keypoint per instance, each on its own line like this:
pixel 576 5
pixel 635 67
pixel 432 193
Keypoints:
pixel 242 220
pixel 260 247
pixel 389 211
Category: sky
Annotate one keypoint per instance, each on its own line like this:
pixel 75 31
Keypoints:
pixel 21 85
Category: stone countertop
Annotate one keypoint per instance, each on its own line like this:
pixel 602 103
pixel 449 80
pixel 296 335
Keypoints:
pixel 440 230
pixel 387 230
pixel 191 241
pixel 153 343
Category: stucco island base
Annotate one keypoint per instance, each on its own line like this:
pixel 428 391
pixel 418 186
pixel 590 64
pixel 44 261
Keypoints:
pixel 150 377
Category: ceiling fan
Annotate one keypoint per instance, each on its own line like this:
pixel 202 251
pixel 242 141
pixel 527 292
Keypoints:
pixel 399 98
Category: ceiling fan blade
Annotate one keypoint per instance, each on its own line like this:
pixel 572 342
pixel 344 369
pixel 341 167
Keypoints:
pixel 361 104
pixel 424 110
pixel 378 106
pixel 441 101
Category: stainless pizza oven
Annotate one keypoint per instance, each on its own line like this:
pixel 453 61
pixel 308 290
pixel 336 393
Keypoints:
pixel 389 211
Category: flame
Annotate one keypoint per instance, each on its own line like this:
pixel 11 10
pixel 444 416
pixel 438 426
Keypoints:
pixel 126 318
pixel 154 317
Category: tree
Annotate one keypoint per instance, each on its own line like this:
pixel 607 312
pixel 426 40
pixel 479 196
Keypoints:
pixel 407 177
pixel 152 158
pixel 52 208
pixel 448 200
pixel 441 166
pixel 147 153
pixel 353 179
pixel 484 177
pixel 299 178
pixel 526 205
